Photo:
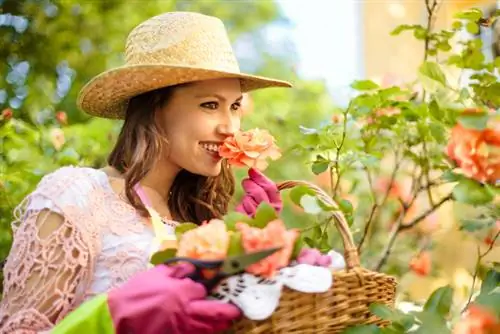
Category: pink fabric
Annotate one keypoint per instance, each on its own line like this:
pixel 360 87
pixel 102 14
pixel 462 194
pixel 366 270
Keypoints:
pixel 73 238
pixel 162 298
pixel 313 257
pixel 258 189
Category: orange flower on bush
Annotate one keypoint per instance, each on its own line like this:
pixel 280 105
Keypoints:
pixel 274 234
pixel 250 148
pixel 421 264
pixel 477 152
pixel 207 242
pixel 478 320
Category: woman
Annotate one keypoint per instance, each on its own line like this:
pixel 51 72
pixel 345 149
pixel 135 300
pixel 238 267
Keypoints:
pixel 85 235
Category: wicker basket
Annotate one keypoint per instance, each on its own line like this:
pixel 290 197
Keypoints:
pixel 345 304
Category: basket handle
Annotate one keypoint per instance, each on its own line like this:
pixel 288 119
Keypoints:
pixel 350 251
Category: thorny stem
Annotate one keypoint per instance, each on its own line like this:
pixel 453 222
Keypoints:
pixel 476 270
pixel 376 205
pixel 399 226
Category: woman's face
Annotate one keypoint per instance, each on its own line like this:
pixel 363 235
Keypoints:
pixel 197 119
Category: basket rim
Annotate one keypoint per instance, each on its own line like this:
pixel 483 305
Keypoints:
pixel 350 250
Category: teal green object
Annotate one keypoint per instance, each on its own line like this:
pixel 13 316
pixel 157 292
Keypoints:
pixel 91 317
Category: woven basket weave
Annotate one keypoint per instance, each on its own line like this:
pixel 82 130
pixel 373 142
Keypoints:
pixel 345 304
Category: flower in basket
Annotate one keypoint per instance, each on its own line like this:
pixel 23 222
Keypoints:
pixel 274 234
pixel 250 148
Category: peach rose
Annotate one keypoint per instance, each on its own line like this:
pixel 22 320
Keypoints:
pixel 421 264
pixel 477 152
pixel 274 234
pixel 207 242
pixel 477 320
pixel 250 148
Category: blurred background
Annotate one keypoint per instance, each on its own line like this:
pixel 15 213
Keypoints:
pixel 49 49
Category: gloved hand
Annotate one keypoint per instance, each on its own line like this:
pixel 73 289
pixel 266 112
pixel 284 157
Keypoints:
pixel 313 257
pixel 258 189
pixel 160 300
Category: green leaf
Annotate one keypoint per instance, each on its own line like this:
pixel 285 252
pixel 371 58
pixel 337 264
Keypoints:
pixel 183 228
pixel 364 85
pixel 471 192
pixel 162 256
pixel 450 176
pixel 346 206
pixel 457 25
pixel 440 301
pixel 399 29
pixel 433 71
pixel 319 166
pixel 265 213
pixel 310 204
pixel 473 225
pixel 472 27
pixel 476 120
pixel 235 246
pixel 362 329
pixel 473 14
pixel 491 281
pixel 297 193
pixel 234 217
pixel 382 311
pixel 436 112
pixel 438 132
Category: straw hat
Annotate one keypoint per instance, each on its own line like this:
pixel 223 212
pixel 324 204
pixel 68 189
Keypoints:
pixel 166 50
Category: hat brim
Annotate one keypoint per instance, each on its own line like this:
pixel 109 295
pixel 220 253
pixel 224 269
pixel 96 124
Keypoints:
pixel 107 95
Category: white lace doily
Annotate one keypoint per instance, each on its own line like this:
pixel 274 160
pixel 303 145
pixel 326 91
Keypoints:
pixel 258 297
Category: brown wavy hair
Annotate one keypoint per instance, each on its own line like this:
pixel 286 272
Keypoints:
pixel 193 198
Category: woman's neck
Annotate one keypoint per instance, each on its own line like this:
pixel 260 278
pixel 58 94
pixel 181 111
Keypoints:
pixel 160 178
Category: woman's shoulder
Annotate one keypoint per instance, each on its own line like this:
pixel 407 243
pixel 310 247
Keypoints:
pixel 71 185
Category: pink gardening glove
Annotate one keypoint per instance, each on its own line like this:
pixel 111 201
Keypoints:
pixel 163 300
pixel 258 189
pixel 313 257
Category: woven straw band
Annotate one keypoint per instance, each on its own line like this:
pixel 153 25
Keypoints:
pixel 166 50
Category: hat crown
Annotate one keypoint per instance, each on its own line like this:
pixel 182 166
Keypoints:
pixel 181 39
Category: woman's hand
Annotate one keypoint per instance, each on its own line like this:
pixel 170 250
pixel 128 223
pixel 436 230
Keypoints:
pixel 258 189
pixel 163 300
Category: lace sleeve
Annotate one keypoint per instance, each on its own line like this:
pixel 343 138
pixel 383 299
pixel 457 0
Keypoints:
pixel 50 261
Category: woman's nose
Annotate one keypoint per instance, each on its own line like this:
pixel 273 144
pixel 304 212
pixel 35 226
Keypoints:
pixel 229 126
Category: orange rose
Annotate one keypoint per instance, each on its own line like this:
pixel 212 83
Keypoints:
pixel 250 148
pixel 477 152
pixel 477 320
pixel 273 235
pixel 207 242
pixel 421 264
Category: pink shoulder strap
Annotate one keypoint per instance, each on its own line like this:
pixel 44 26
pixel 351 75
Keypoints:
pixel 142 195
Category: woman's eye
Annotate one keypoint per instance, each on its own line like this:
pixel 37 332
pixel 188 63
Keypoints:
pixel 210 105
pixel 236 106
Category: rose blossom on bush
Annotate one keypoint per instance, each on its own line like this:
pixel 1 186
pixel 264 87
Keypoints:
pixel 274 234
pixel 477 152
pixel 477 320
pixel 250 148
pixel 207 242
pixel 421 264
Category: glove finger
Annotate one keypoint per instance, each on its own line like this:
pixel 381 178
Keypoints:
pixel 247 207
pixel 266 184
pixel 213 311
pixel 181 270
pixel 255 191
